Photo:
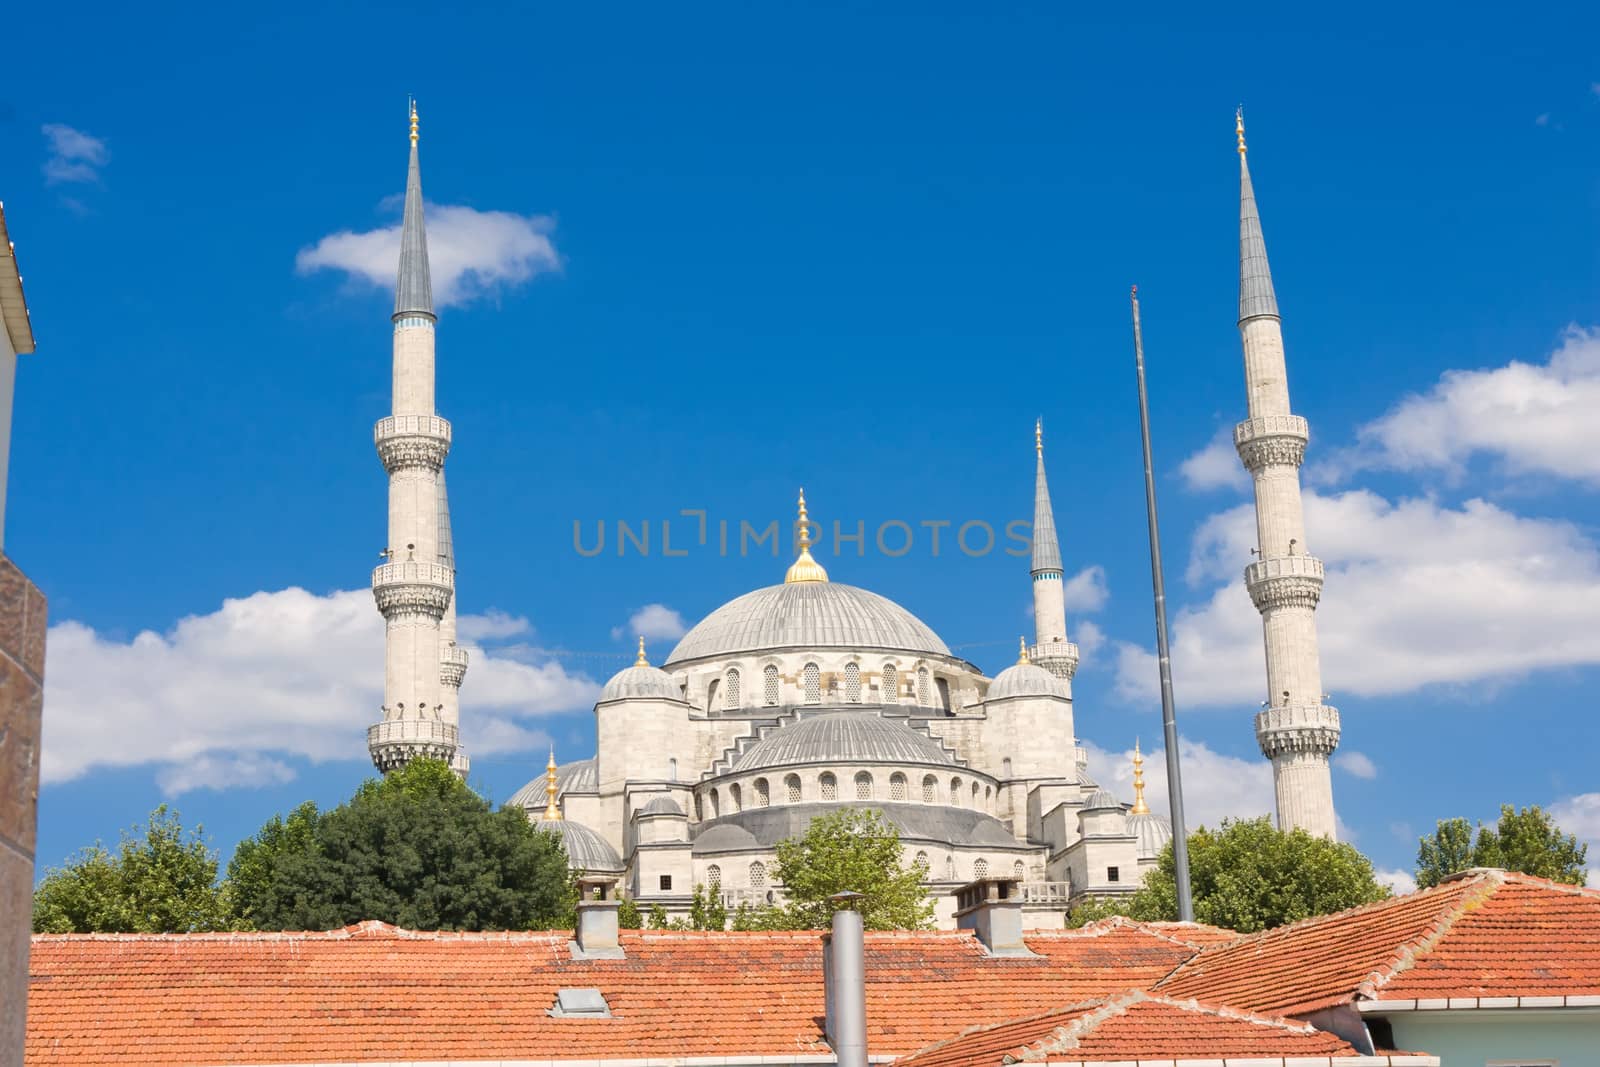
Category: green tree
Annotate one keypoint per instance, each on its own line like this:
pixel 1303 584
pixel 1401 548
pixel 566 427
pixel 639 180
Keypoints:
pixel 1248 876
pixel 707 911
pixel 852 849
pixel 418 849
pixel 1449 850
pixel 161 881
pixel 629 917
pixel 250 872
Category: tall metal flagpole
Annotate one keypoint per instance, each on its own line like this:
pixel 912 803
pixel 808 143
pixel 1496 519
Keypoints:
pixel 1169 715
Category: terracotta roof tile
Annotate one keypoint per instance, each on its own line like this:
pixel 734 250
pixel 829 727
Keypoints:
pixel 375 992
pixel 1483 933
pixel 1132 1026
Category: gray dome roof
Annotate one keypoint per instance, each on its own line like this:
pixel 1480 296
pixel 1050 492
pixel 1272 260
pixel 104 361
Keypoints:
pixel 763 828
pixel 843 736
pixel 641 681
pixel 579 776
pixel 807 615
pixel 1025 680
pixel 586 849
pixel 725 837
pixel 661 806
pixel 1153 831
pixel 1103 798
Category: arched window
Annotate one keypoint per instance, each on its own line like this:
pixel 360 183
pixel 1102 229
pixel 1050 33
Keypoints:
pixel 735 801
pixel 769 686
pixel 863 786
pixel 711 695
pixel 922 863
pixel 813 683
pixel 791 789
pixel 955 792
pixel 988 795
pixel 980 869
pixel 763 796
pixel 715 811
pixel 930 789
pixel 897 786
pixel 943 686
pixel 891 684
pixel 758 875
pixel 1018 871
pixel 714 877
pixel 924 687
pixel 852 682
pixel 830 787
pixel 1005 767
pixel 730 687
pixel 974 794
pixel 672 769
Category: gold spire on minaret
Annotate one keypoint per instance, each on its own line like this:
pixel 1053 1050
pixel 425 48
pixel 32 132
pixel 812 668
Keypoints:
pixel 1038 436
pixel 1139 806
pixel 804 568
pixel 1022 650
pixel 641 661
pixel 1238 127
pixel 413 120
pixel 550 809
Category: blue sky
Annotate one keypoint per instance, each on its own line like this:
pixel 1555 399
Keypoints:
pixel 701 258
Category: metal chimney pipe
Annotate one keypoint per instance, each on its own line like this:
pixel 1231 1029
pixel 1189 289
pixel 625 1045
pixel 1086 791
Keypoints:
pixel 848 971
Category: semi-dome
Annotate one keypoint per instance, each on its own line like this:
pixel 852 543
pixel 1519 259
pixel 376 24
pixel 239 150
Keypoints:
pixel 1025 679
pixel 1103 800
pixel 586 849
pixel 641 681
pixel 1153 831
pixel 661 806
pixel 807 615
pixel 579 776
pixel 843 737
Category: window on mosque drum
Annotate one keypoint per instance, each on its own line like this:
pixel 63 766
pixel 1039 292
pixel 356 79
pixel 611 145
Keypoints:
pixel 714 876
pixel 734 803
pixel 930 789
pixel 980 869
pixel 666 883
pixel 830 787
pixel 852 682
pixel 758 875
pixel 713 799
pixel 731 687
pixel 763 798
pixel 924 692
pixel 769 685
pixel 922 862
pixel 813 683
pixel 891 684
pixel 1018 870
pixel 791 788
pixel 863 786
pixel 897 787
pixel 1112 874
pixel 955 792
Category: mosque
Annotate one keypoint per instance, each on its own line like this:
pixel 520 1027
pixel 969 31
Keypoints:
pixel 808 695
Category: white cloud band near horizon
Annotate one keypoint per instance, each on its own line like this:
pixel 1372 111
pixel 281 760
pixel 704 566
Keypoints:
pixel 471 253
pixel 222 699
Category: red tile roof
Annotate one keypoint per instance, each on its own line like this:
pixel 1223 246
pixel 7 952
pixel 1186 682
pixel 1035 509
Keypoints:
pixel 374 992
pixel 1483 933
pixel 1132 1026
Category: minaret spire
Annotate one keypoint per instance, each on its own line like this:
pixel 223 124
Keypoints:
pixel 1295 729
pixel 1051 650
pixel 415 585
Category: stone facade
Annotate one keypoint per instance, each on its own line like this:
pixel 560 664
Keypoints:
pixel 22 635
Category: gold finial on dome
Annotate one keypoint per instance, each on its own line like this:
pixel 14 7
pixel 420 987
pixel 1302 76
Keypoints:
pixel 413 120
pixel 1022 651
pixel 641 661
pixel 1139 806
pixel 804 568
pixel 550 787
pixel 1038 436
pixel 1238 127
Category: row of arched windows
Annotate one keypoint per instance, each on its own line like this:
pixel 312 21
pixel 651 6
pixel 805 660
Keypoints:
pixel 827 789
pixel 730 693
pixel 758 871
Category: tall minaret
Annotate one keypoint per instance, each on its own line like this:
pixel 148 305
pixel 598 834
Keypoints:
pixel 415 586
pixel 1295 729
pixel 1051 650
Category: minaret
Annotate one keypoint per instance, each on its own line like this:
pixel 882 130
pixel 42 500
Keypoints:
pixel 1295 729
pixel 415 585
pixel 1051 649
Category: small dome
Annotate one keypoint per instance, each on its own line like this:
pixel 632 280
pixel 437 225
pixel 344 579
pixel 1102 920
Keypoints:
pixel 843 737
pixel 579 776
pixel 638 682
pixel 586 849
pixel 1102 799
pixel 661 806
pixel 1025 680
pixel 1153 831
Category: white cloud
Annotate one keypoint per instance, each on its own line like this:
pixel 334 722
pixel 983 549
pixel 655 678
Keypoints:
pixel 1580 816
pixel 1086 590
pixel 1215 466
pixel 213 701
pixel 1398 881
pixel 75 156
pixel 1527 417
pixel 1355 764
pixel 1215 786
pixel 492 625
pixel 1417 594
pixel 471 253
pixel 1090 638
pixel 652 622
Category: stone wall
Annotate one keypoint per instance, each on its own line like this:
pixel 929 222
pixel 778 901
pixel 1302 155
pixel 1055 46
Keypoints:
pixel 22 625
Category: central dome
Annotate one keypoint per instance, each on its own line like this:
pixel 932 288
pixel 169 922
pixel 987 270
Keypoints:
pixel 807 615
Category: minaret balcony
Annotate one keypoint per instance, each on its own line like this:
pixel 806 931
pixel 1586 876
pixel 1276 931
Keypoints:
pixel 413 588
pixel 395 742
pixel 1060 658
pixel 1297 728
pixel 453 666
pixel 1284 582
pixel 406 441
pixel 1271 441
